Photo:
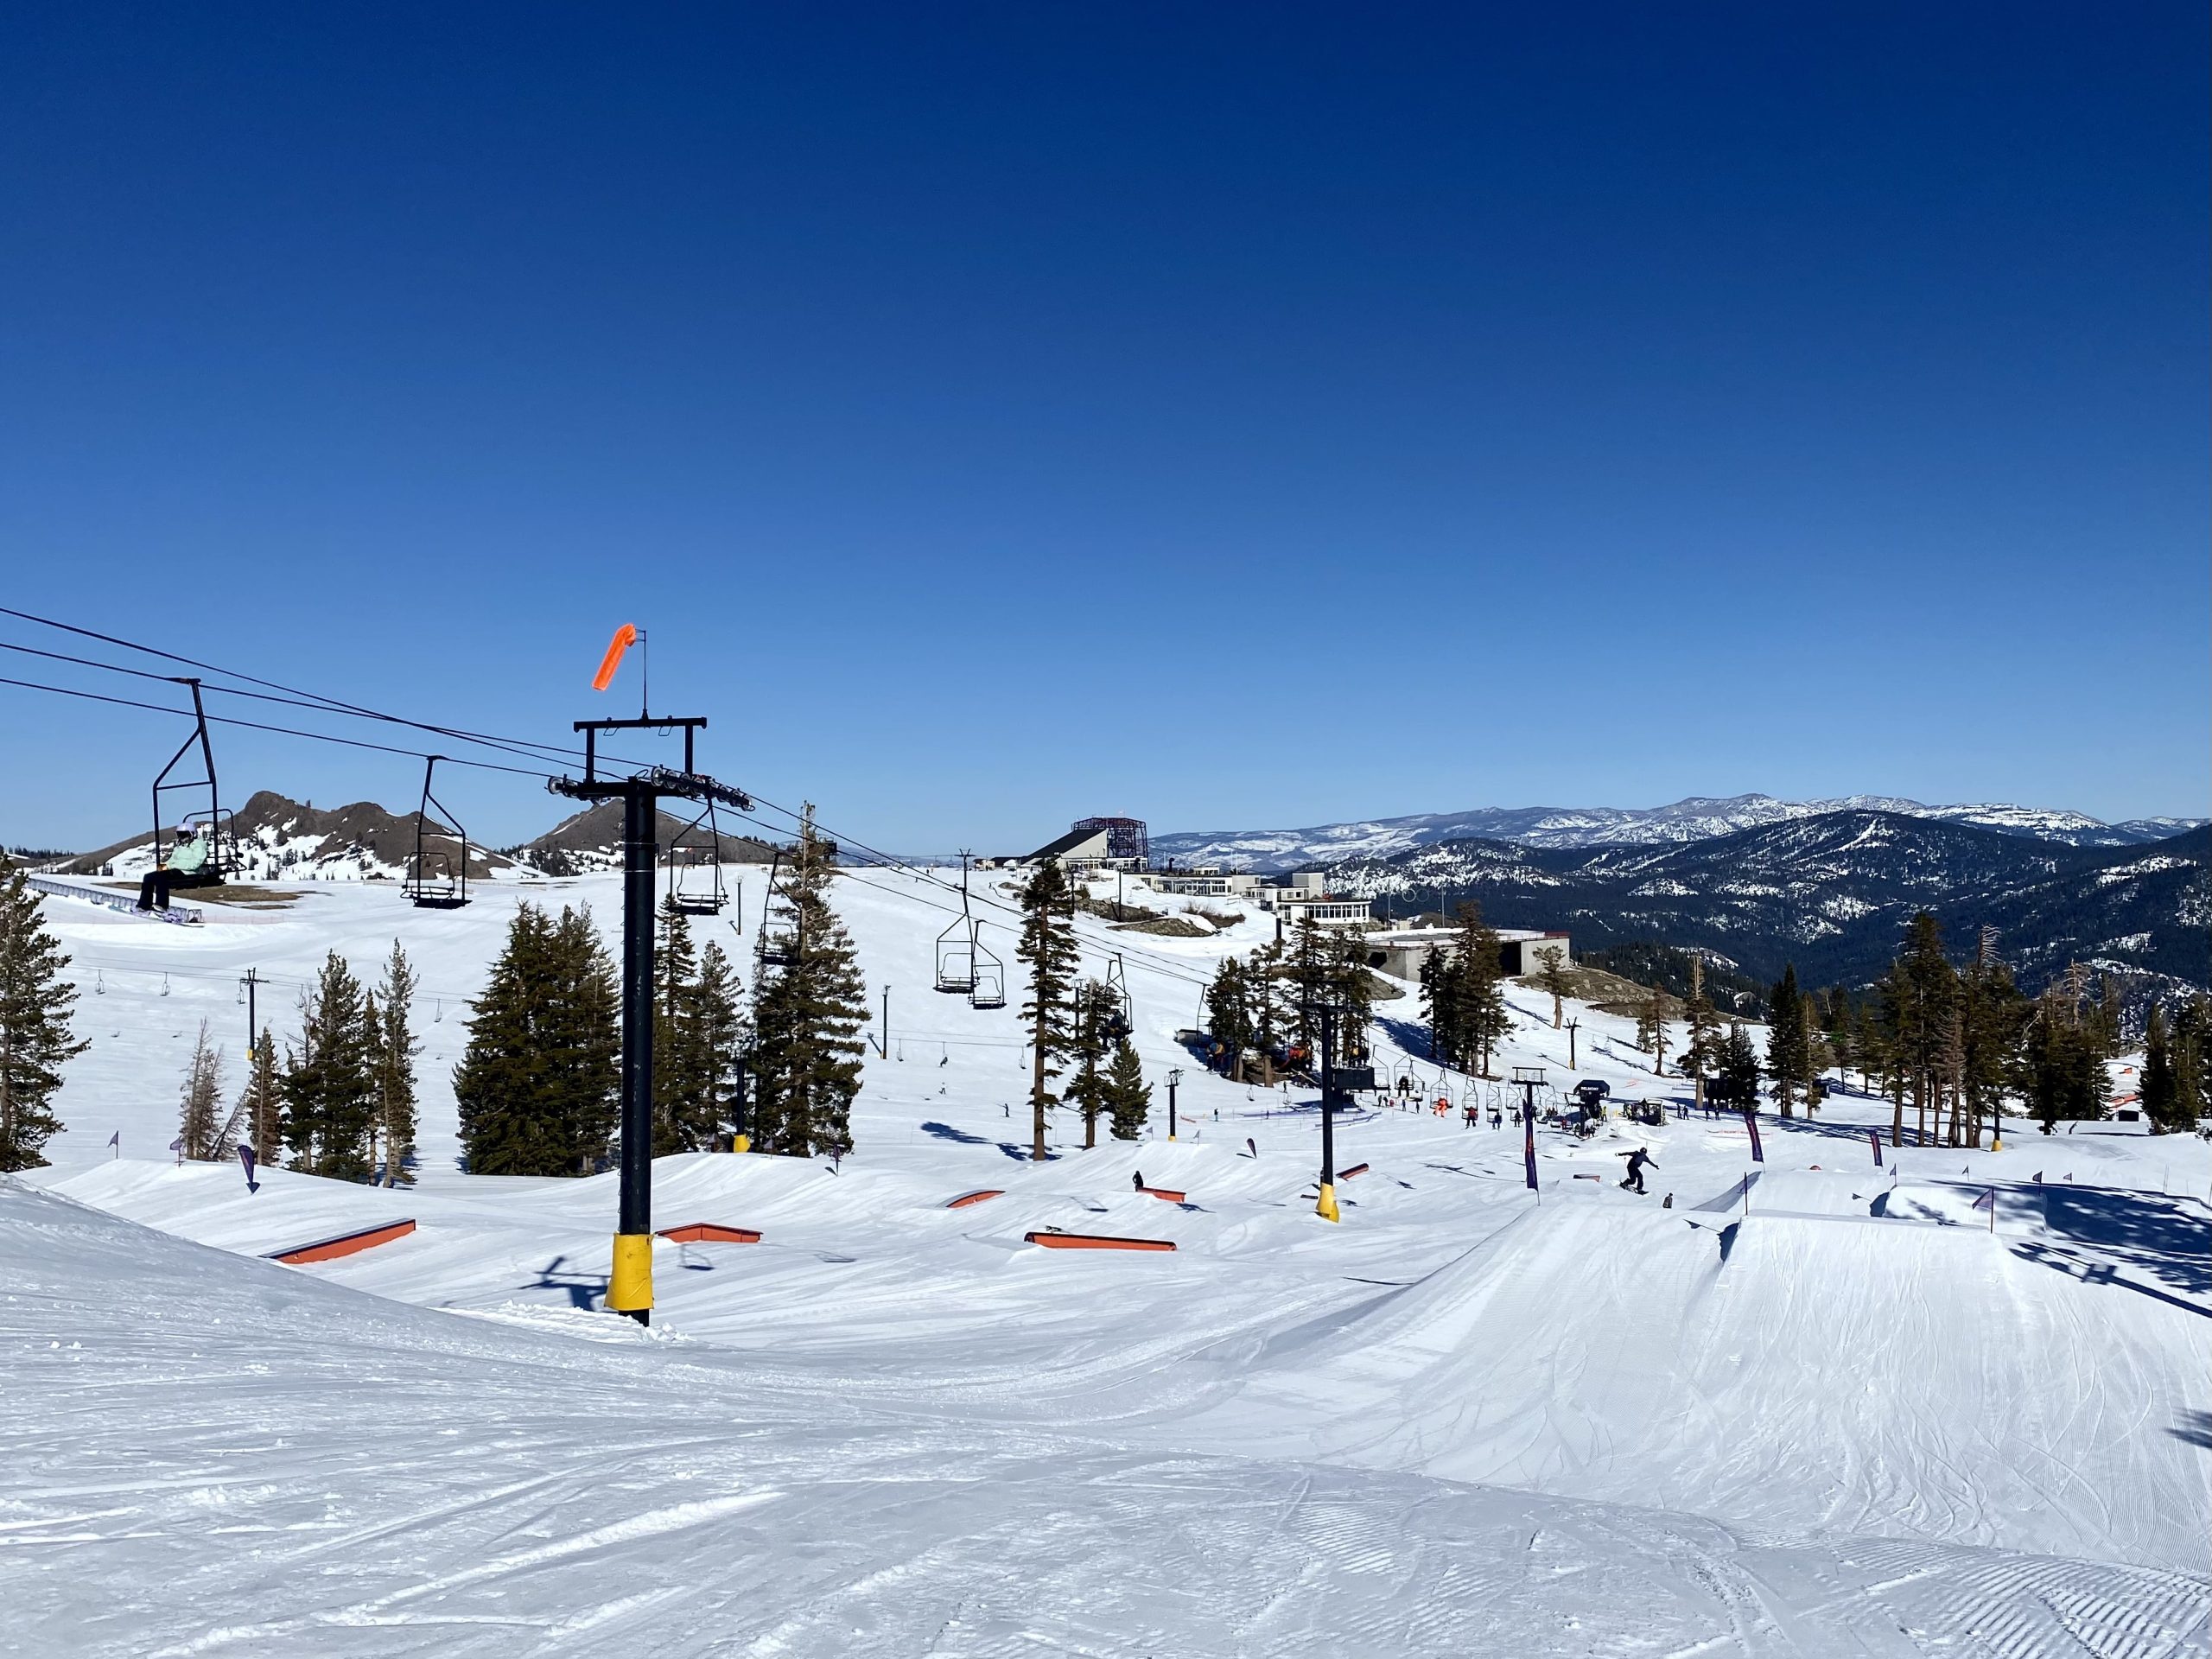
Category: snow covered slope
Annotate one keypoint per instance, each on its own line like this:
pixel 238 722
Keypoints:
pixel 1469 1418
pixel 209 1455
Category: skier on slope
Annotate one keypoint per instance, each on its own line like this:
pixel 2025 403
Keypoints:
pixel 1637 1159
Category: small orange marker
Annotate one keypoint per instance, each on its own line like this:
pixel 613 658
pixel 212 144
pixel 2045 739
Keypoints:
pixel 625 637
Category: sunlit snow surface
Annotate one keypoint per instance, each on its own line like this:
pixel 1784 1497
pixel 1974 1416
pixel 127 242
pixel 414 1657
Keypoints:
pixel 1466 1421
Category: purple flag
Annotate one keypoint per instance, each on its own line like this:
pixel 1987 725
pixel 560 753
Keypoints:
pixel 1874 1140
pixel 1752 1122
pixel 246 1157
pixel 1988 1200
pixel 1528 1118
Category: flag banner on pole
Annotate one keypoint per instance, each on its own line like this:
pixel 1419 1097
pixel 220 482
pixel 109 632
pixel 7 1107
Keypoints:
pixel 116 1140
pixel 1752 1122
pixel 246 1157
pixel 1874 1140
pixel 1988 1200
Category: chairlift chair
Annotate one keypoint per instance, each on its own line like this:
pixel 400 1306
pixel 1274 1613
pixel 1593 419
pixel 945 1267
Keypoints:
pixel 988 990
pixel 1121 1017
pixel 214 821
pixel 436 880
pixel 779 954
pixel 956 946
pixel 691 893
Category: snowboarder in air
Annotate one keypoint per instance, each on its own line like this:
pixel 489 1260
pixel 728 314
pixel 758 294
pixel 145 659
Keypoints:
pixel 1634 1179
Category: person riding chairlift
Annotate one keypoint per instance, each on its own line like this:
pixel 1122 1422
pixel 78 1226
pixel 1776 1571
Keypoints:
pixel 186 858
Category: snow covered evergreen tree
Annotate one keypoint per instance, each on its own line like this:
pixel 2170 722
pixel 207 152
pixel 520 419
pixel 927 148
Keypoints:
pixel 808 1014
pixel 329 1082
pixel 35 1035
pixel 1229 1015
pixel 1048 945
pixel 2161 1099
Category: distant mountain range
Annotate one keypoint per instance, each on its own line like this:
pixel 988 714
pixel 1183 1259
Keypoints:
pixel 279 838
pixel 1698 818
pixel 1832 891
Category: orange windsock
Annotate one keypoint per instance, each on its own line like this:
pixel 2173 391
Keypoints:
pixel 625 637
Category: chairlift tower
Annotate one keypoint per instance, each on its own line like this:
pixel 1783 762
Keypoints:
pixel 630 1287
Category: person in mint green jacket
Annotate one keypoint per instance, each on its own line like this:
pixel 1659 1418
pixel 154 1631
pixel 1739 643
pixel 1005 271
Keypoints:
pixel 186 858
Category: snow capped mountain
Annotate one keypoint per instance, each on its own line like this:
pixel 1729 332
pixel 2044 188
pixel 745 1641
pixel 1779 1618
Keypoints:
pixel 1696 818
pixel 1831 894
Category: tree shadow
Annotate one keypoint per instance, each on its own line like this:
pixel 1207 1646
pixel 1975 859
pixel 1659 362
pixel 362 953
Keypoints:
pixel 1410 1036
pixel 1022 1154
pixel 946 1132
pixel 2152 1232
pixel 2195 1427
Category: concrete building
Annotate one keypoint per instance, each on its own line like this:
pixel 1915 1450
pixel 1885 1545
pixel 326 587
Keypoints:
pixel 1400 951
pixel 1305 897
pixel 1090 844
pixel 1203 882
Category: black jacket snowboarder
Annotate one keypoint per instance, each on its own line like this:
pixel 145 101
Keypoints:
pixel 1634 1179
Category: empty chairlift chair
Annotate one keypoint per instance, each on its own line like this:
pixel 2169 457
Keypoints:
pixel 988 990
pixel 695 884
pixel 437 873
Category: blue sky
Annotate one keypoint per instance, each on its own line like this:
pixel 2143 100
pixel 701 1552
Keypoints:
pixel 1232 415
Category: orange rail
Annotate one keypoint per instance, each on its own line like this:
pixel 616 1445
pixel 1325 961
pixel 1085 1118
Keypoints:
pixel 1346 1174
pixel 329 1249
pixel 1167 1193
pixel 1095 1242
pixel 976 1196
pixel 710 1232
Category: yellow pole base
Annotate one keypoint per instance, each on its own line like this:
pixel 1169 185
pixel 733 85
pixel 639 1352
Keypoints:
pixel 630 1287
pixel 1995 1145
pixel 741 1143
pixel 1326 1209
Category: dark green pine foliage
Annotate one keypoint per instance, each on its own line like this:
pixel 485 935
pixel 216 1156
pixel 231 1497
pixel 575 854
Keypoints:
pixel 1047 944
pixel 2062 1064
pixel 261 1105
pixel 1918 996
pixel 807 1017
pixel 396 1049
pixel 684 1095
pixel 1229 1015
pixel 2192 1062
pixel 539 1087
pixel 1788 1043
pixel 1127 1096
pixel 2161 1097
pixel 329 1079
pixel 1993 1024
pixel 1089 1042
pixel 722 1035
pixel 34 1036
pixel 1736 1072
pixel 1462 988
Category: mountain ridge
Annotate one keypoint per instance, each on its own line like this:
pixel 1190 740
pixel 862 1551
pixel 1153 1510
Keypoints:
pixel 1695 817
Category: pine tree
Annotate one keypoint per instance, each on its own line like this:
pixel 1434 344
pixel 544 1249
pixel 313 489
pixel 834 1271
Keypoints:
pixel 199 1127
pixel 1787 1052
pixel 330 1083
pixel 2192 1061
pixel 1482 1016
pixel 396 1049
pixel 1228 1016
pixel 1702 1047
pixel 1551 979
pixel 1048 945
pixel 807 1017
pixel 2063 1063
pixel 1128 1097
pixel 539 1086
pixel 1088 1045
pixel 34 1036
pixel 260 1106
pixel 1651 1029
pixel 1917 997
pixel 1736 1072
pixel 722 1035
pixel 2161 1097
pixel 683 1091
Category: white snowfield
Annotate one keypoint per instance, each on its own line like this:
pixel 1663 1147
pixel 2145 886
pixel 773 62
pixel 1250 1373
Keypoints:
pixel 1836 1415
